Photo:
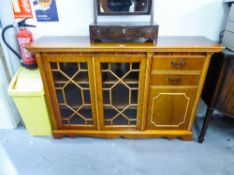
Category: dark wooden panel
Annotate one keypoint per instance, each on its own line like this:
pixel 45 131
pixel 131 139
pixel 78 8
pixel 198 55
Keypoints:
pixel 225 100
pixel 211 81
pixel 100 32
pixel 218 92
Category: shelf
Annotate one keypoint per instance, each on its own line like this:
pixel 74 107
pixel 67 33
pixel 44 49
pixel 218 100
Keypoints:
pixel 78 82
pixel 86 106
pixel 105 82
pixel 129 81
pixel 120 106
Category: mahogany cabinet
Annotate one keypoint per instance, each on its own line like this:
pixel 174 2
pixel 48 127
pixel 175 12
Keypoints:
pixel 218 91
pixel 123 90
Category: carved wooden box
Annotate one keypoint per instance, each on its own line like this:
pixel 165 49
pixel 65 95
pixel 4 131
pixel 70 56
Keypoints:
pixel 120 32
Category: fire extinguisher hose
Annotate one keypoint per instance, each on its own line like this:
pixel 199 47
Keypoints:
pixel 6 43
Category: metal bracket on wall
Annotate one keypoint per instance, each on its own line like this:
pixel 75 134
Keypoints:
pixel 95 10
pixel 152 13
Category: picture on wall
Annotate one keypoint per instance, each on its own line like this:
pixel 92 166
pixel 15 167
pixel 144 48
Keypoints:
pixel 46 10
pixel 22 9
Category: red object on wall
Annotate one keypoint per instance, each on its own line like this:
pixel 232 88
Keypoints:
pixel 22 8
pixel 24 37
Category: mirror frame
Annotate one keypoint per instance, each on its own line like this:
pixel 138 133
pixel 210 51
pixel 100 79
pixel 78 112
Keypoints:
pixel 148 12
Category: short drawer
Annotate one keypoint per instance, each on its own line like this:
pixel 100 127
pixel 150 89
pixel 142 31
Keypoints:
pixel 174 80
pixel 106 32
pixel 178 63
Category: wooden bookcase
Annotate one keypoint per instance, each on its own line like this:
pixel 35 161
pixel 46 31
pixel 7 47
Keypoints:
pixel 123 90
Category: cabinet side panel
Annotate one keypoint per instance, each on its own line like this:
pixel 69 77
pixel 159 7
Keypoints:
pixel 225 102
pixel 41 66
pixel 200 88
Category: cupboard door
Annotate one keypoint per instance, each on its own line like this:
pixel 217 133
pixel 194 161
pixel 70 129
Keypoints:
pixel 120 91
pixel 169 108
pixel 71 88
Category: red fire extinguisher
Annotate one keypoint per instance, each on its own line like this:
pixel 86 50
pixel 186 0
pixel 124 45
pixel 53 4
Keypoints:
pixel 24 37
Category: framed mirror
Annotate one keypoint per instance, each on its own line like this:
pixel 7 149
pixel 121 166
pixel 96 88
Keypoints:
pixel 124 7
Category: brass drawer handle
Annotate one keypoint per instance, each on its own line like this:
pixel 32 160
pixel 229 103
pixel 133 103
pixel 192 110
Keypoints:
pixel 175 80
pixel 179 64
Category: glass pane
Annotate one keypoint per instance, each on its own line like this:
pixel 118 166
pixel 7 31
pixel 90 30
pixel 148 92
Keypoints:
pixel 134 96
pixel 106 97
pixel 59 77
pixel 83 66
pixel 135 66
pixel 120 96
pixel 54 66
pixel 120 120
pixel 86 112
pixel 76 119
pixel 71 82
pixel 109 113
pixel 109 77
pixel 131 113
pixel 59 93
pixel 69 68
pixel 120 69
pixel 87 98
pixel 120 93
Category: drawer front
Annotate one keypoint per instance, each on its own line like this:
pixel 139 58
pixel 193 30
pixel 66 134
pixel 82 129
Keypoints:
pixel 174 80
pixel 178 63
pixel 107 32
pixel 141 32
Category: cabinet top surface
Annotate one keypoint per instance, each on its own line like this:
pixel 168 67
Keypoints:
pixel 164 44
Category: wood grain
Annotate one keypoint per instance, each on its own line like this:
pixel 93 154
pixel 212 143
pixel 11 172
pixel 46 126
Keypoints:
pixel 200 87
pixel 178 63
pixel 164 109
pixel 175 79
pixel 170 109
pixel 185 135
pixel 164 44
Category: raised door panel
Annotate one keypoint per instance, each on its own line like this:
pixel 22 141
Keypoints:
pixel 120 85
pixel 170 109
pixel 71 86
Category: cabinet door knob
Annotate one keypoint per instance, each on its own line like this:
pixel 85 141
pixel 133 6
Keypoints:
pixel 179 64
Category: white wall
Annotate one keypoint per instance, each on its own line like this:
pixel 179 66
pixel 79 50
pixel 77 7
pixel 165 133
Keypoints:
pixel 9 116
pixel 7 17
pixel 175 17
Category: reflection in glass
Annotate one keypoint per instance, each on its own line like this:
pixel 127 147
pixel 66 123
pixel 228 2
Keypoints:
pixel 127 6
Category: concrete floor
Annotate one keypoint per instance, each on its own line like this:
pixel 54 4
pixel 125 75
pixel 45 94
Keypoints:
pixel 21 154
